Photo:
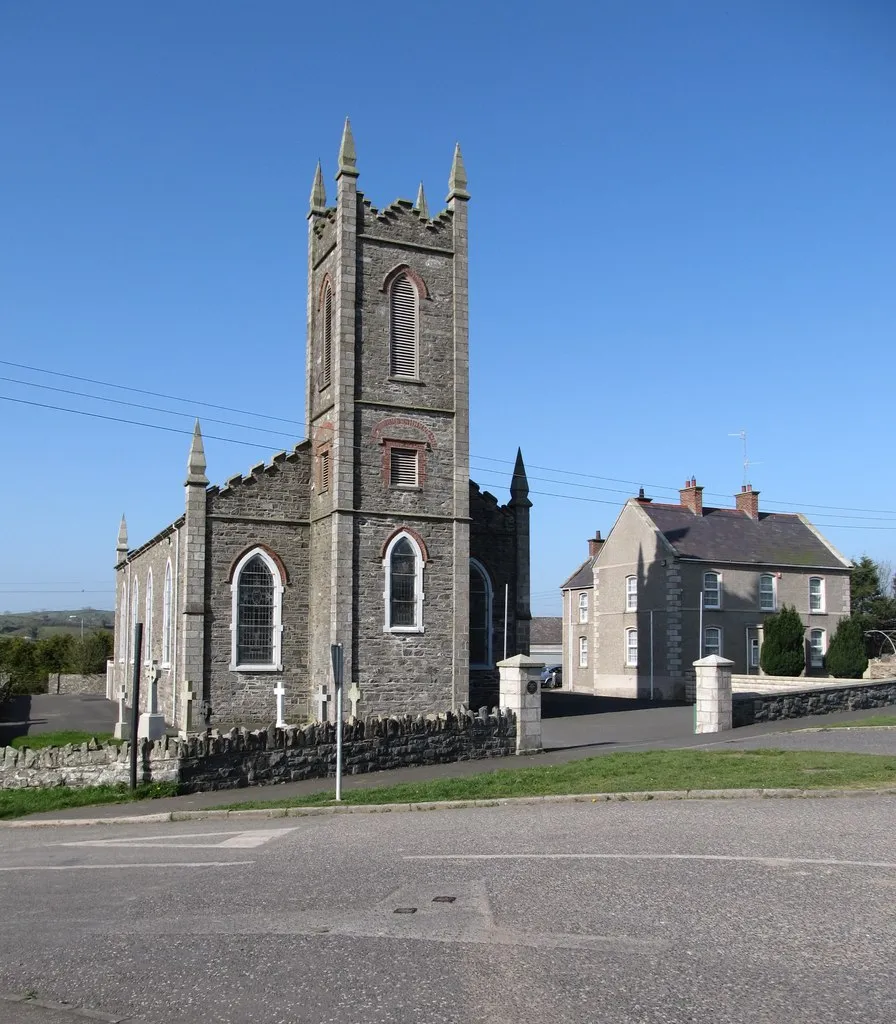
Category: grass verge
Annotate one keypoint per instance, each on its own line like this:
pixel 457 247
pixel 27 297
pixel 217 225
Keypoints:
pixel 15 803
pixel 875 722
pixel 60 739
pixel 628 773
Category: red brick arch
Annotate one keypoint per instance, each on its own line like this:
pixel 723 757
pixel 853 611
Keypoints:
pixel 403 268
pixel 421 543
pixel 275 558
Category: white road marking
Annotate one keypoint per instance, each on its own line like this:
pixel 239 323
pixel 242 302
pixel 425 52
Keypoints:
pixel 121 867
pixel 769 861
pixel 232 840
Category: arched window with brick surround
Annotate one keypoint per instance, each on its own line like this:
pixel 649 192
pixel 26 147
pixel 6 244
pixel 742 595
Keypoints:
pixel 404 313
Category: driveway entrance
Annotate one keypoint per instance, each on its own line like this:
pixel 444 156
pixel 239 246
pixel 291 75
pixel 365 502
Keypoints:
pixel 582 720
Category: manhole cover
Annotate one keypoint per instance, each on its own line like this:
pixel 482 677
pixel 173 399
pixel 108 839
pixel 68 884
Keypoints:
pixel 405 910
pixel 444 899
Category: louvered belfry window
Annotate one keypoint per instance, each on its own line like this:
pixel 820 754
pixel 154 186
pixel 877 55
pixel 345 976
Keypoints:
pixel 326 371
pixel 403 582
pixel 255 614
pixel 403 467
pixel 403 327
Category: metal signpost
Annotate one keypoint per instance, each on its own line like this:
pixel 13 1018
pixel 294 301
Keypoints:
pixel 336 657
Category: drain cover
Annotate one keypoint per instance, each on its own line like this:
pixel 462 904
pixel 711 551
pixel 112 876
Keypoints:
pixel 444 899
pixel 405 910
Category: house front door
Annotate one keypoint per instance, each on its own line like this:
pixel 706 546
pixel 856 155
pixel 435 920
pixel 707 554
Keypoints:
pixel 753 650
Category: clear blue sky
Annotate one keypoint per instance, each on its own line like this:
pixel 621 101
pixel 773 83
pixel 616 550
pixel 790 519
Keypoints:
pixel 682 226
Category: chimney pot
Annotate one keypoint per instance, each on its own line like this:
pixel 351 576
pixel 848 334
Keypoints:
pixel 748 501
pixel 691 496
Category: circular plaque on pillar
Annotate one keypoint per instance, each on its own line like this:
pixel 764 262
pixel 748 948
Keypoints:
pixel 531 686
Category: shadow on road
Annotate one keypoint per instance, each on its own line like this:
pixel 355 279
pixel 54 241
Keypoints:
pixel 563 704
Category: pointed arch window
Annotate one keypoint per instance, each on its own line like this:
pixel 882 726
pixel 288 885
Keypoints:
pixel 135 599
pixel 404 585
pixel 147 629
pixel 167 603
pixel 404 307
pixel 256 626
pixel 480 616
pixel 326 340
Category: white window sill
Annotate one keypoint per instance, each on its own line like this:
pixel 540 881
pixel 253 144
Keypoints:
pixel 255 668
pixel 402 629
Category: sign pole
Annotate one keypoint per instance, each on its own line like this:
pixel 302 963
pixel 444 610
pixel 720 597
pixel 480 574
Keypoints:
pixel 336 656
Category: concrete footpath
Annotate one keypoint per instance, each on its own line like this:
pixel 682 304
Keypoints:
pixel 609 733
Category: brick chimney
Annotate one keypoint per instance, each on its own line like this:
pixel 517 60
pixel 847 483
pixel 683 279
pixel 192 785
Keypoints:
pixel 642 499
pixel 595 543
pixel 692 496
pixel 748 501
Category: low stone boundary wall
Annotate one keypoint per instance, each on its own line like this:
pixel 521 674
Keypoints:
pixel 769 707
pixel 71 683
pixel 265 756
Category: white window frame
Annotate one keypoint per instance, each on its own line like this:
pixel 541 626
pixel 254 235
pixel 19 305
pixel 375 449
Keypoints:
pixel 821 595
pixel 631 660
pixel 823 648
pixel 753 651
pixel 418 626
pixel 275 664
pixel 135 605
pixel 717 591
pixel 147 625
pixel 167 602
pixel 477 566
pixel 404 275
pixel 774 592
pixel 124 621
pixel 714 649
pixel 583 607
pixel 631 593
pixel 583 652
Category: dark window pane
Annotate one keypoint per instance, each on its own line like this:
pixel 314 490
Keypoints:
pixel 403 585
pixel 255 614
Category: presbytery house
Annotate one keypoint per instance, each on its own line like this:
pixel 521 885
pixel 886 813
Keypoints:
pixel 369 533
pixel 675 582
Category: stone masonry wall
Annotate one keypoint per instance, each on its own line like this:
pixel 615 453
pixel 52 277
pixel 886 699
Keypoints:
pixel 774 706
pixel 269 756
pixel 69 683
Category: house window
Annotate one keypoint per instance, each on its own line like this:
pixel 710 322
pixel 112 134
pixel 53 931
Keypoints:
pixel 403 306
pixel 404 467
pixel 816 594
pixel 480 617
pixel 712 590
pixel 816 648
pixel 712 641
pixel 631 593
pixel 326 346
pixel 147 629
pixel 583 652
pixel 583 607
pixel 404 585
pixel 767 592
pixel 166 616
pixel 256 627
pixel 631 647
pixel 754 652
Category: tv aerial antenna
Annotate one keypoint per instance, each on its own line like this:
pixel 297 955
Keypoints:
pixel 742 434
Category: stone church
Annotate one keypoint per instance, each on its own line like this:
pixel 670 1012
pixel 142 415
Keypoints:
pixel 369 533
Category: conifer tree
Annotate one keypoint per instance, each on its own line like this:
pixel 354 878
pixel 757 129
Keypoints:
pixel 846 657
pixel 784 645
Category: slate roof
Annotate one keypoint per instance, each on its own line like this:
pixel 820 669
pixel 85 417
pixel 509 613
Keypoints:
pixel 729 535
pixel 581 578
pixel 546 629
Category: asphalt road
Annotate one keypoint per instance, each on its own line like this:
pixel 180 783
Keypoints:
pixel 735 912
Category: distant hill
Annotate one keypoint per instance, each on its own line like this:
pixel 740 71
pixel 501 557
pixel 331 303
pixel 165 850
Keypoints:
pixel 43 623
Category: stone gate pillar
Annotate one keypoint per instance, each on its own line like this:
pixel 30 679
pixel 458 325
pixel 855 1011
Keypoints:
pixel 520 691
pixel 712 712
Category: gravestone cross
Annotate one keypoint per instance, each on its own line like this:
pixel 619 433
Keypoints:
pixel 280 694
pixel 354 696
pixel 121 726
pixel 189 699
pixel 322 696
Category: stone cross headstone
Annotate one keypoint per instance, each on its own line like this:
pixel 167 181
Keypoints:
pixel 121 726
pixel 189 700
pixel 152 694
pixel 151 725
pixel 280 694
pixel 322 697
pixel 354 697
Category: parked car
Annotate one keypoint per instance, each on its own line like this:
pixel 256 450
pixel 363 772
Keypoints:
pixel 552 677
